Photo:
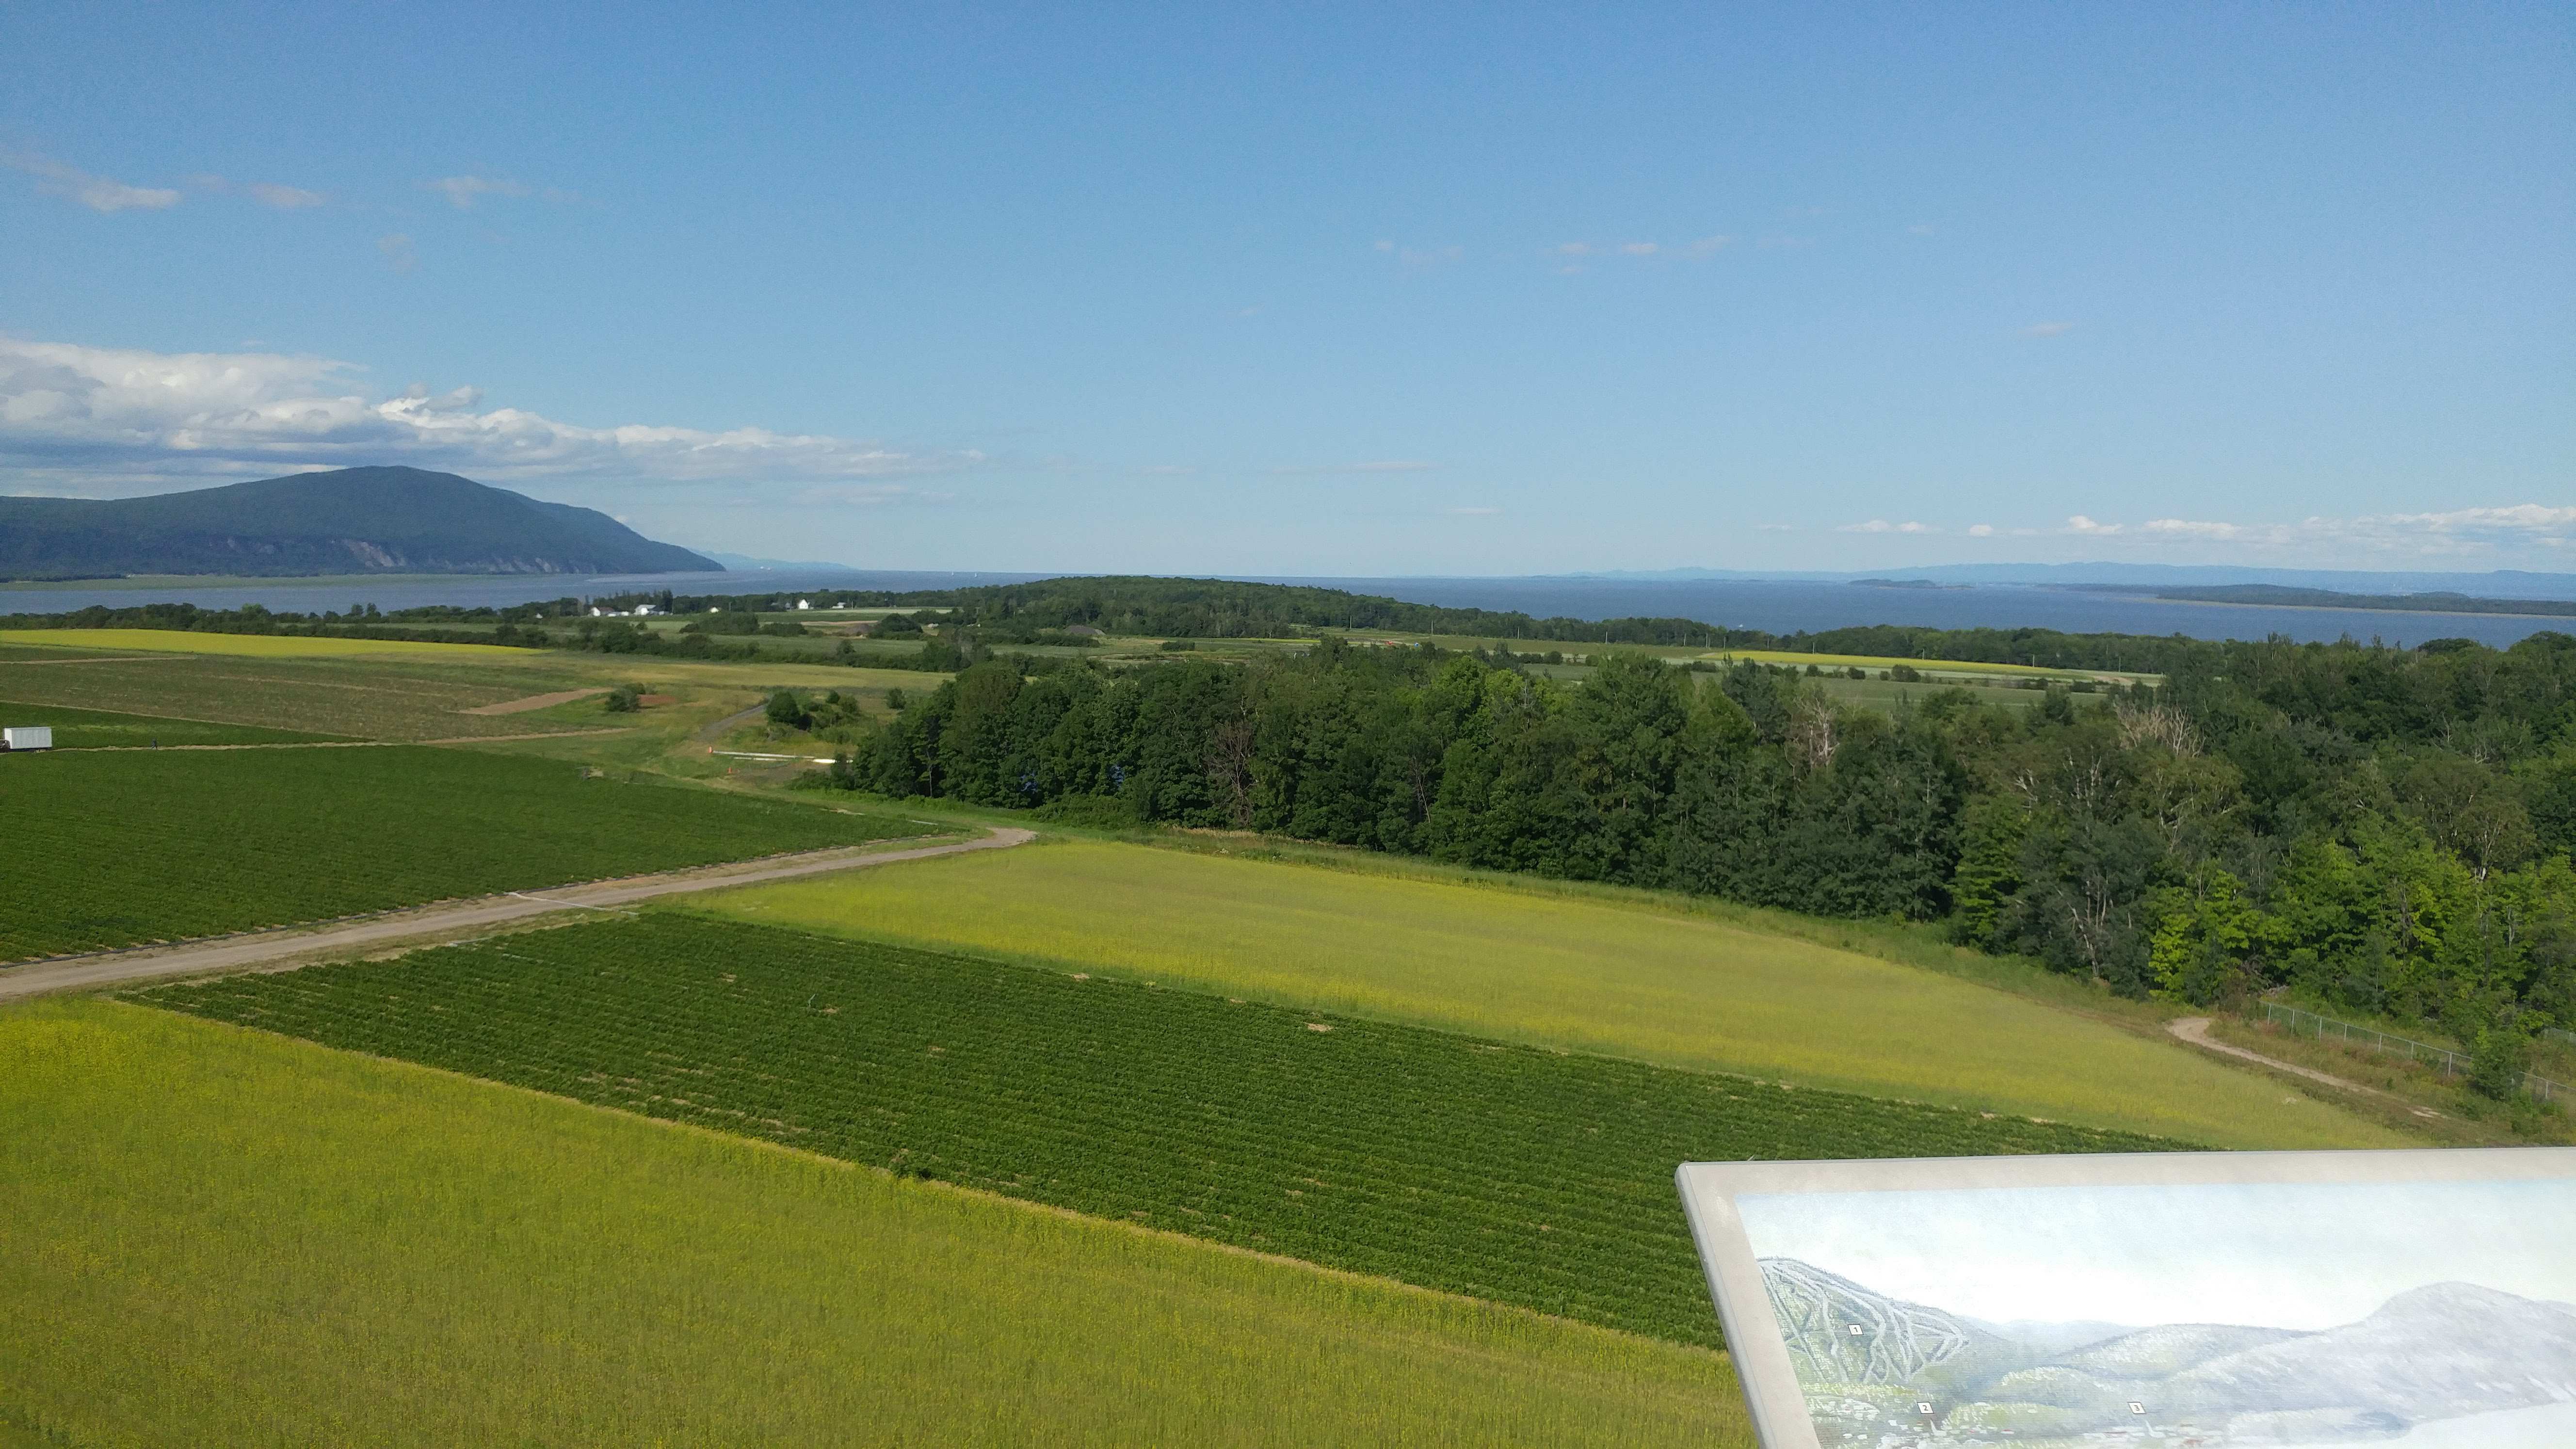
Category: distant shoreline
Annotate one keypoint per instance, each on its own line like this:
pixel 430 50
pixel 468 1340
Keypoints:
pixel 2569 619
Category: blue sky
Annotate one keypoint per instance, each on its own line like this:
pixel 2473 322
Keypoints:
pixel 1367 290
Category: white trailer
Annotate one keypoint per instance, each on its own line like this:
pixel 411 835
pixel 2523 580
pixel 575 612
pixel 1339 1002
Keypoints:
pixel 28 737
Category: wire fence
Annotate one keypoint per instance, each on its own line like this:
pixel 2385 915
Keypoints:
pixel 2453 1064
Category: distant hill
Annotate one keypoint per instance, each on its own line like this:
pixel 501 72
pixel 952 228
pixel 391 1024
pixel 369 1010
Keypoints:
pixel 352 521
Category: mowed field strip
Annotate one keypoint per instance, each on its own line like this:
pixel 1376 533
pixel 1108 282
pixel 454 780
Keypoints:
pixel 92 729
pixel 109 850
pixel 1535 967
pixel 216 1236
pixel 1509 1173
pixel 263 646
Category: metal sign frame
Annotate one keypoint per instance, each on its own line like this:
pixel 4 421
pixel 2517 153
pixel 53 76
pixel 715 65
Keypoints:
pixel 1754 1336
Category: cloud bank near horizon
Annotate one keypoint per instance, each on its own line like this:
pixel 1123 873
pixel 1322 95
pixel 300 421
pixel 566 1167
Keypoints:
pixel 2450 534
pixel 106 421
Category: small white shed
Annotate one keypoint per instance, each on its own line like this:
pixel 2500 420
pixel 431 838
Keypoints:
pixel 28 737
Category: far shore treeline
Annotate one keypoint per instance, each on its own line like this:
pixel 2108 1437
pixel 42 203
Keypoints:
pixel 2385 828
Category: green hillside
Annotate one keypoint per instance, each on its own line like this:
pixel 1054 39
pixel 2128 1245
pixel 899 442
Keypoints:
pixel 211 1236
pixel 1552 970
pixel 354 520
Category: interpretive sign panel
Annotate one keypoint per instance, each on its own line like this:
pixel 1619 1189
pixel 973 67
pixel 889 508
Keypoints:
pixel 2401 1300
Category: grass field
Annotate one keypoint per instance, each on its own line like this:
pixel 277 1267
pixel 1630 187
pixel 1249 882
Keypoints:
pixel 1537 967
pixel 1508 1173
pixel 413 697
pixel 211 1236
pixel 368 697
pixel 90 729
pixel 108 850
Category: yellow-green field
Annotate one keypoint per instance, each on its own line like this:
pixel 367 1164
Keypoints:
pixel 264 646
pixel 214 1236
pixel 1539 967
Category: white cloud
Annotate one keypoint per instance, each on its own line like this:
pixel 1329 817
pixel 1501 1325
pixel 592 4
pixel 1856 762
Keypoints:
pixel 395 248
pixel 1922 228
pixel 103 418
pixel 1640 249
pixel 2048 329
pixel 1981 530
pixel 285 198
pixel 1881 525
pixel 98 193
pixel 1707 246
pixel 2455 533
pixel 463 191
pixel 1574 249
pixel 2190 528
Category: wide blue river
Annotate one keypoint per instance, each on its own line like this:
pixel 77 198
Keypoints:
pixel 1779 606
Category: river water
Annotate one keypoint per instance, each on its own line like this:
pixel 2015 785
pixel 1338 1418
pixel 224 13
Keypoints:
pixel 1779 606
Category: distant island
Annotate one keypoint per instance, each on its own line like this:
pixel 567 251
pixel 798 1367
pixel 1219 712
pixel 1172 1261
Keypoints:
pixel 2437 602
pixel 348 521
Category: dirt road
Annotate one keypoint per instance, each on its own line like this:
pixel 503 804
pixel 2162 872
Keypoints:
pixel 304 946
pixel 2195 1029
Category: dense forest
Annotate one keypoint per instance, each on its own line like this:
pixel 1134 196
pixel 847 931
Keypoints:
pixel 2385 828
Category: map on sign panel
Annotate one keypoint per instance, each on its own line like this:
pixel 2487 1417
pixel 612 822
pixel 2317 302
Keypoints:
pixel 2409 1314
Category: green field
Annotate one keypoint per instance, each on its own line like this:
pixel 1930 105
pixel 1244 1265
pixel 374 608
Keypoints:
pixel 104 850
pixel 369 697
pixel 412 698
pixel 1534 966
pixel 261 646
pixel 210 1236
pixel 1512 1174
pixel 92 729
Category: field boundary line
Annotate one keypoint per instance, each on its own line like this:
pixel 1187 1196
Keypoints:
pixel 959 1189
pixel 289 947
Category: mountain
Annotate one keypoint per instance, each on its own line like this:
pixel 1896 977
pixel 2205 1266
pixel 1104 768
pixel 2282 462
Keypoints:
pixel 351 521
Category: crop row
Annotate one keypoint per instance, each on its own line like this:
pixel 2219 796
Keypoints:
pixel 110 849
pixel 1504 1172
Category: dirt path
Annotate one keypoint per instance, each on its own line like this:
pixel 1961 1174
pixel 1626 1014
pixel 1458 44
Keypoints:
pixel 2195 1029
pixel 286 949
pixel 536 701
pixel 708 734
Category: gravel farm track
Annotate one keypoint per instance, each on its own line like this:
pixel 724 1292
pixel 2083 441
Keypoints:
pixel 293 946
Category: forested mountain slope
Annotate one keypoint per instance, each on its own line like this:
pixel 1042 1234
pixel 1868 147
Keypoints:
pixel 353 520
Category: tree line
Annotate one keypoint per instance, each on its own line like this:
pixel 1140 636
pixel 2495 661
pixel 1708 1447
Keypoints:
pixel 2385 828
